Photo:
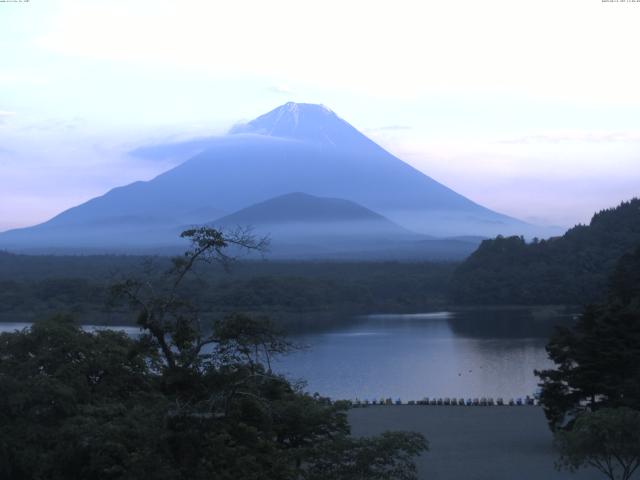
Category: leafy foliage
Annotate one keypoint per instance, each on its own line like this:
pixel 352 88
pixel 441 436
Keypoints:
pixel 182 401
pixel 598 361
pixel 512 271
pixel 608 440
pixel 387 456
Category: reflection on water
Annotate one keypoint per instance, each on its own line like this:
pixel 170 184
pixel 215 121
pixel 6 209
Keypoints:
pixel 472 353
pixel 462 354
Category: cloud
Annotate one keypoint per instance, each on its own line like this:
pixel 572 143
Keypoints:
pixel 575 136
pixel 4 115
pixel 20 78
pixel 426 47
pixel 389 128
pixel 54 125
pixel 280 89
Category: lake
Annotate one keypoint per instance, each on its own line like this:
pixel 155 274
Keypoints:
pixel 461 354
pixel 466 353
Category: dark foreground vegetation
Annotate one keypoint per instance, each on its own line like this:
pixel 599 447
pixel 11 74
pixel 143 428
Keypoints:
pixel 571 270
pixel 598 360
pixel 182 401
pixel 592 396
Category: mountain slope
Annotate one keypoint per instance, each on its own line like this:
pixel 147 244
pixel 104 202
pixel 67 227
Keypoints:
pixel 572 269
pixel 305 226
pixel 296 147
pixel 303 209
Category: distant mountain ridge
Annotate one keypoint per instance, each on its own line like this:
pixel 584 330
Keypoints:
pixel 298 207
pixel 303 225
pixel 571 269
pixel 294 148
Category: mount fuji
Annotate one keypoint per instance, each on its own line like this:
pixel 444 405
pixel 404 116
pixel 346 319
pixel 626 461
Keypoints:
pixel 296 147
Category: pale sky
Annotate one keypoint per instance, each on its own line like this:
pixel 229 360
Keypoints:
pixel 531 108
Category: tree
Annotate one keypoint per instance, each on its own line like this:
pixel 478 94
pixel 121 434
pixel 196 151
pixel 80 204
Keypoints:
pixel 185 400
pixel 389 456
pixel 608 440
pixel 72 402
pixel 598 360
pixel 173 323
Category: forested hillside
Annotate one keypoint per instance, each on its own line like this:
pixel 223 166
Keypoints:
pixel 33 287
pixel 571 269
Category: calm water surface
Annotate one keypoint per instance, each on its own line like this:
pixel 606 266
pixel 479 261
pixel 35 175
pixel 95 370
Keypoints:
pixel 462 354
pixel 474 353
